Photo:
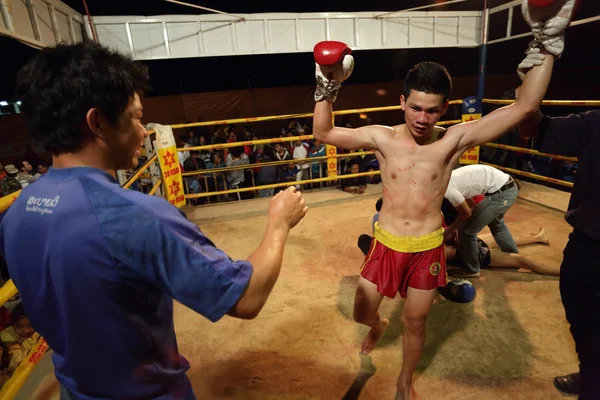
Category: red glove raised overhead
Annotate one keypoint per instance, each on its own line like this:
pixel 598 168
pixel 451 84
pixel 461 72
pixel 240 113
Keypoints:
pixel 334 64
pixel 330 53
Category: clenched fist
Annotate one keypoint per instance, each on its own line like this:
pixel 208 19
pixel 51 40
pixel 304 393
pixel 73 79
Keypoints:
pixel 287 208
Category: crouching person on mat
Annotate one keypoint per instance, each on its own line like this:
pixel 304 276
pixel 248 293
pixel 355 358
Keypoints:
pixel 99 276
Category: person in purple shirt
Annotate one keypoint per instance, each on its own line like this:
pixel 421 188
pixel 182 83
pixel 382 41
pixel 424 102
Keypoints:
pixel 578 135
pixel 98 277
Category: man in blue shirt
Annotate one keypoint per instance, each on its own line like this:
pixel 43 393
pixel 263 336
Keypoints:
pixel 99 275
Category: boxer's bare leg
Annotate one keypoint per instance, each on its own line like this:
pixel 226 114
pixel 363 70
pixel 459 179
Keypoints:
pixel 540 237
pixel 366 312
pixel 417 306
pixel 499 259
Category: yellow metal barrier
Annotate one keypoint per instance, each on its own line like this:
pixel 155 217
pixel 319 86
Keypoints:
pixel 529 151
pixel 575 103
pixel 16 382
pixel 6 201
pixel 530 175
pixel 155 187
pixel 7 291
pixel 282 184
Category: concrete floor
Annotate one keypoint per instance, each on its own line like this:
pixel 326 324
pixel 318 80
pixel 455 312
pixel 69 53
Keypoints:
pixel 507 344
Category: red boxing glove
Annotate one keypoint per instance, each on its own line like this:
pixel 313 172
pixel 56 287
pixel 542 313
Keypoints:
pixel 329 53
pixel 333 65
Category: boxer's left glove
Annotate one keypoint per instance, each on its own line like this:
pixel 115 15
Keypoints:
pixel 333 65
pixel 548 24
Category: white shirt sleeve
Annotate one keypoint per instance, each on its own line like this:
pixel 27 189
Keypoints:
pixel 453 195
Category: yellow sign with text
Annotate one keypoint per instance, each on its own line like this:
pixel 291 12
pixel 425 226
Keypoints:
pixel 171 176
pixel 331 152
pixel 169 165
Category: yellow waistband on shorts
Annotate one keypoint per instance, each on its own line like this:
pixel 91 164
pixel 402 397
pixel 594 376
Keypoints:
pixel 409 244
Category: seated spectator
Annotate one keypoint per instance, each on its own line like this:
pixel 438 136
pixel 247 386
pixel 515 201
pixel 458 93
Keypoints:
pixel 41 170
pixel 191 139
pixel 300 153
pixel 2 172
pixel 266 175
pixel 19 338
pixel 10 184
pixel 183 155
pixel 318 169
pixel 194 163
pixel 4 363
pixel 292 173
pixel 24 177
pixel 235 158
pixel 354 185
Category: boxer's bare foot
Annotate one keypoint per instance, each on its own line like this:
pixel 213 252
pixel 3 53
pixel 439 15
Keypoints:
pixel 542 237
pixel 406 393
pixel 370 341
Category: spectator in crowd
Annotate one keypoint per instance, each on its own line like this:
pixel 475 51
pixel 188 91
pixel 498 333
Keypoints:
pixel 194 163
pixel 292 174
pixel 41 170
pixel 183 155
pixel 10 184
pixel 25 178
pixel 20 337
pixel 300 153
pixel 2 172
pixel 318 168
pixel 192 139
pixel 236 158
pixel 266 175
pixel 354 185
pixel 281 154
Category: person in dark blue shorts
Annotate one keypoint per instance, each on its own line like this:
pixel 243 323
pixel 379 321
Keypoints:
pixel 101 265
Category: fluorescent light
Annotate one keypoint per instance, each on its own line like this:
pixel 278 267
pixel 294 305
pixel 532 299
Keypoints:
pixel 3 103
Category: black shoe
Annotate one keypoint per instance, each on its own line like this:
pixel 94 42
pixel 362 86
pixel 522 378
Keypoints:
pixel 570 384
pixel 364 243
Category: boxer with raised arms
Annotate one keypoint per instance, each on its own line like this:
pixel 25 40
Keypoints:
pixel 416 160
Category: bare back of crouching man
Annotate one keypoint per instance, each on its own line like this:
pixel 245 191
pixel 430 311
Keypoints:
pixel 416 160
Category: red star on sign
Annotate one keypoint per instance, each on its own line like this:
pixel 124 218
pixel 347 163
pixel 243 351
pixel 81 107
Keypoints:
pixel 174 188
pixel 332 166
pixel 471 119
pixel 331 151
pixel 169 159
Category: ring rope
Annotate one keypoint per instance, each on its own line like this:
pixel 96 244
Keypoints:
pixel 575 103
pixel 139 172
pixel 530 175
pixel 289 116
pixel 273 163
pixel 17 380
pixel 155 187
pixel 221 146
pixel 529 151
pixel 282 184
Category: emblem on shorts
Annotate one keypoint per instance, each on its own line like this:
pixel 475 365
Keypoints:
pixel 434 268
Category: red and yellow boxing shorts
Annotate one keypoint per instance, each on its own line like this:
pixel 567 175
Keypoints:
pixel 396 262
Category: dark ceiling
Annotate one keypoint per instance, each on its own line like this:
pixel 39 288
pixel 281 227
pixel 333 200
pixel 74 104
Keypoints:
pixel 240 72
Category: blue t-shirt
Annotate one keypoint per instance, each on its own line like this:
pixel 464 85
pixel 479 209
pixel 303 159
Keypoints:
pixel 98 267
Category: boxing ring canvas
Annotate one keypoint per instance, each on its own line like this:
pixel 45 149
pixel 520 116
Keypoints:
pixel 507 344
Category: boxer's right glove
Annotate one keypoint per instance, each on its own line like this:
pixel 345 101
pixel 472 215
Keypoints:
pixel 333 65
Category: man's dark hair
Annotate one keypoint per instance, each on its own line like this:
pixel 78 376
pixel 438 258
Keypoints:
pixel 428 77
pixel 60 84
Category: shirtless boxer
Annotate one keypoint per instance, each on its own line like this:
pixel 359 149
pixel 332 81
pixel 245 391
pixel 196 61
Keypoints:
pixel 416 160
